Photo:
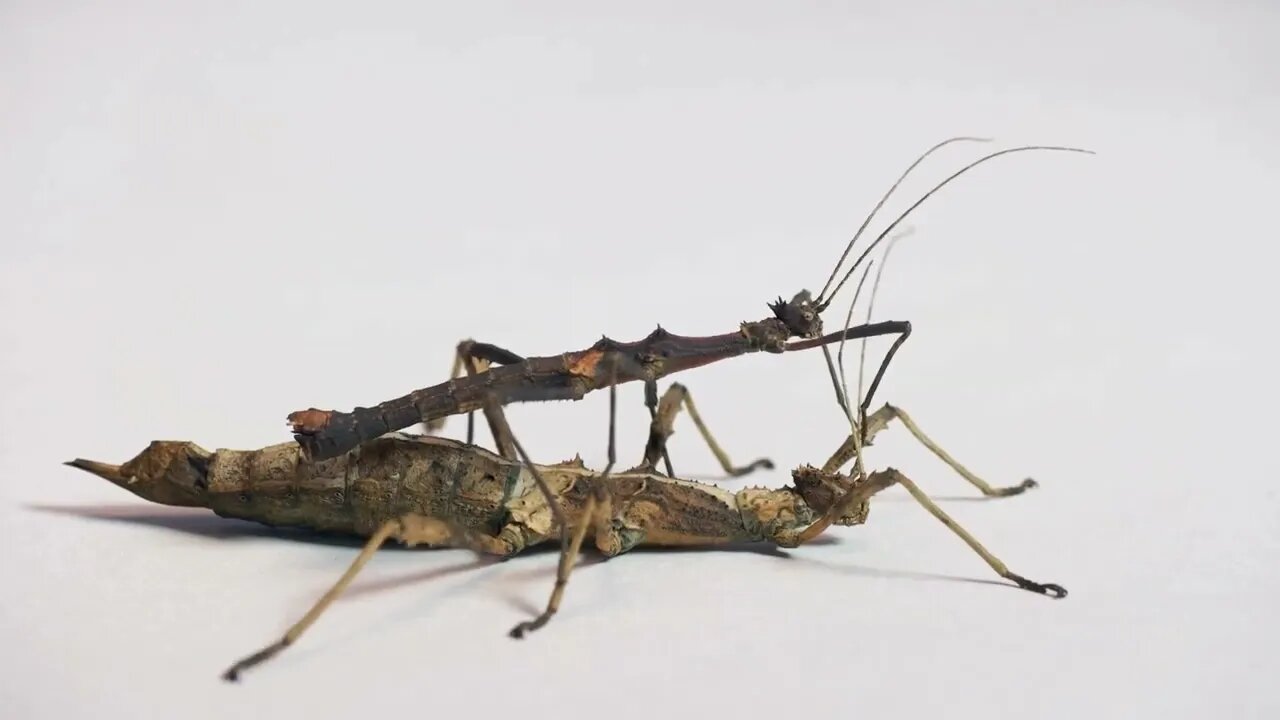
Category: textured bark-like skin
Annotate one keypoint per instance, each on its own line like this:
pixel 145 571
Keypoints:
pixel 569 376
pixel 467 486
pixel 325 434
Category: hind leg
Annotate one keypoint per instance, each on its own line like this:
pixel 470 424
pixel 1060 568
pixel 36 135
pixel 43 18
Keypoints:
pixel 411 530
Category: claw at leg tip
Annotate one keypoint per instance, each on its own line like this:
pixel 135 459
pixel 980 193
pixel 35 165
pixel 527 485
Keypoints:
pixel 1053 590
pixel 1018 489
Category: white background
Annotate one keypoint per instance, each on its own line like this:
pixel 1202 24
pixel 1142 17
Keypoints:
pixel 213 214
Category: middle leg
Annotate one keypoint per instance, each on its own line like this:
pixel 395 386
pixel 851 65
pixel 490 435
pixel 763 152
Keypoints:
pixel 661 428
pixel 595 513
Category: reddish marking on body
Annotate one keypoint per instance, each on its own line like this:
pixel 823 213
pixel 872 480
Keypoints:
pixel 585 364
pixel 309 421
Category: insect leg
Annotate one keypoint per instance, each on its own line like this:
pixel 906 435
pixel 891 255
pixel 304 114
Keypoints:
pixel 879 480
pixel 436 425
pixel 292 634
pixel 600 499
pixel 1051 589
pixel 411 530
pixel 673 399
pixel 568 557
pixel 476 357
pixel 881 418
pixel 651 402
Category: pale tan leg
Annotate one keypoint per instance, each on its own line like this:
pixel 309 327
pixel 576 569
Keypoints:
pixel 882 479
pixel 1051 589
pixel 476 358
pixel 436 425
pixel 662 427
pixel 881 418
pixel 411 530
pixel 569 544
pixel 601 499
pixel 858 493
pixel 568 557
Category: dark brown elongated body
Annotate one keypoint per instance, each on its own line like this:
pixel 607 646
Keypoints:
pixel 325 434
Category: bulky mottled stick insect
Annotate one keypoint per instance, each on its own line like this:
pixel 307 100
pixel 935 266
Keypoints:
pixel 424 490
pixel 795 325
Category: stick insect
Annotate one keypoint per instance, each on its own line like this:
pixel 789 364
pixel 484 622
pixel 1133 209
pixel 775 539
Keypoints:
pixel 439 492
pixel 794 325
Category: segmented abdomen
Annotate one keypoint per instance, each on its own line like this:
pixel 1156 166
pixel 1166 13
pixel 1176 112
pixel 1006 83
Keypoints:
pixel 359 491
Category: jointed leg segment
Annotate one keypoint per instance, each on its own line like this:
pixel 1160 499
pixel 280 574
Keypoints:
pixel 409 529
pixel 661 428
pixel 476 357
pixel 881 479
pixel 863 488
pixel 881 418
pixel 599 500
pixel 1051 589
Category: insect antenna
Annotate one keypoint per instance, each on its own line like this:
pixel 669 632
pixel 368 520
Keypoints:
pixel 856 427
pixel 871 215
pixel 820 306
pixel 871 305
pixel 837 377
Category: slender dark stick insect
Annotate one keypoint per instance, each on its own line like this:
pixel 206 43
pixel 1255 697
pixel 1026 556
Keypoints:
pixel 795 325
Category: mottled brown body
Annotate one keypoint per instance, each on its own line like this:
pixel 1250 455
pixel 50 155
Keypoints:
pixel 427 490
pixel 357 492
pixel 464 485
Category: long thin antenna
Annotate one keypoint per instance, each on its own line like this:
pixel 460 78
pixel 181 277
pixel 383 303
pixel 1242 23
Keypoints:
pixel 870 216
pixel 823 305
pixel 837 381
pixel 856 427
pixel 871 306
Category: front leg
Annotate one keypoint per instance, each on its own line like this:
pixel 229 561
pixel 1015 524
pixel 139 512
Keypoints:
pixel 853 502
pixel 881 418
